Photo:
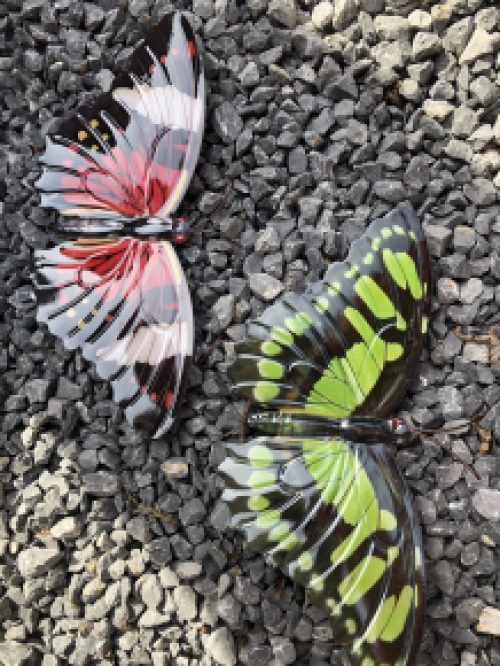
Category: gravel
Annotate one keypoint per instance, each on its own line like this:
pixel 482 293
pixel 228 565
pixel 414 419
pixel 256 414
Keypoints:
pixel 116 549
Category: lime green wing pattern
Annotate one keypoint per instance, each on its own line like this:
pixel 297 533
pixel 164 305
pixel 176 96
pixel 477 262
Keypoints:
pixel 336 516
pixel 349 345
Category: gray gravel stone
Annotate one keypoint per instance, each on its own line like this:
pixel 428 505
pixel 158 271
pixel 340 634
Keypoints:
pixel 391 27
pixel 420 20
pixel 447 290
pixel 410 90
pixel 18 654
pixel 37 390
pixel 390 190
pixel 265 286
pixel 426 45
pixel 34 561
pixel 485 90
pixel 192 512
pixel 322 15
pixel 227 122
pixel 224 310
pixel 283 12
pixel 220 647
pixel 344 13
pixel 465 121
pixel 102 484
pixel 457 35
pixel 481 44
pixel 487 503
pixel 67 529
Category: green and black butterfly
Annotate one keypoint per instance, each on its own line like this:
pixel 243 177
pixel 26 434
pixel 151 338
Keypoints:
pixel 319 492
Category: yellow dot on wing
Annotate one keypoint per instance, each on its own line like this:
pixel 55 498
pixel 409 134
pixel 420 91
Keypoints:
pixel 94 123
pixel 82 135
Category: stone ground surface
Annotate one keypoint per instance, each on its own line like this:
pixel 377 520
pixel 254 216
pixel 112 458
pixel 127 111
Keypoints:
pixel 325 116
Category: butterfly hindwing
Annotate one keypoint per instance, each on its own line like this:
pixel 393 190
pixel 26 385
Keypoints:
pixel 133 152
pixel 126 304
pixel 336 516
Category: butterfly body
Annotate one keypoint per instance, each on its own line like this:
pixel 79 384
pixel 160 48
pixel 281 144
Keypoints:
pixel 319 491
pixel 175 230
pixel 117 171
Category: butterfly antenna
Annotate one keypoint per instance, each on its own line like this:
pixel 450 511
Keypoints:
pixel 436 442
pixel 471 422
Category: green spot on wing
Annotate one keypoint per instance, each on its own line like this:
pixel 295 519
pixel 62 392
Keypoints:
pixel 261 479
pixel 394 351
pixel 386 232
pixel 410 270
pixel 305 561
pixel 395 270
pixel 295 325
pixel 398 618
pixel 361 579
pixel 334 288
pixel 257 503
pixel 380 619
pixel 373 296
pixel 270 369
pixel 375 344
pixel 388 521
pixel 322 304
pixel 270 348
pixel 265 391
pixel 363 496
pixel 279 532
pixel 282 336
pixel 364 529
pixel 363 367
pixel 268 518
pixel 260 456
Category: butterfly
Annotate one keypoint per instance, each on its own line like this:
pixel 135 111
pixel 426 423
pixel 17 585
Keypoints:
pixel 117 170
pixel 318 490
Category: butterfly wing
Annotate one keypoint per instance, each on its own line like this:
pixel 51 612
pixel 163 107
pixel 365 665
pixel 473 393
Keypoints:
pixel 133 152
pixel 336 514
pixel 350 344
pixel 126 304
pixel 337 517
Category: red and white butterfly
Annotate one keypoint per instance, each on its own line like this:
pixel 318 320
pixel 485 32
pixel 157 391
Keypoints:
pixel 117 171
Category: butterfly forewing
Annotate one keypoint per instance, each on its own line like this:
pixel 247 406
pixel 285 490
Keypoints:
pixel 133 152
pixel 350 345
